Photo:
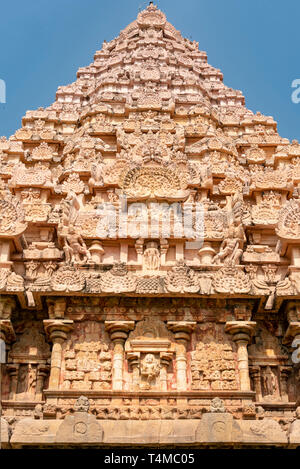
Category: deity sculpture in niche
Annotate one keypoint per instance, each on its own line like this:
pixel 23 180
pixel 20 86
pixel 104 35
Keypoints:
pixel 269 382
pixel 151 256
pixel 150 369
pixel 149 350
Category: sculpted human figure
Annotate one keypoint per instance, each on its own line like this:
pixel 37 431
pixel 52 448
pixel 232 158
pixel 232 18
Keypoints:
pixel 269 382
pixel 31 379
pixel 22 379
pixel 75 248
pixel 230 251
pixel 149 368
pixel 152 257
pixel 97 173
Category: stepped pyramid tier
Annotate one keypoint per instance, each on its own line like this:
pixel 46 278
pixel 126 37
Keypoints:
pixel 149 257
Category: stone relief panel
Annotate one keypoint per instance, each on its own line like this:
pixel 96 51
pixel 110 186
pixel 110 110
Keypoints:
pixel 87 358
pixel 12 217
pixel 103 308
pixel 288 224
pixel 213 360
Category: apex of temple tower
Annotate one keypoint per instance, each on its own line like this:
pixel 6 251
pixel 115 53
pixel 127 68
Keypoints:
pixel 151 17
pixel 150 65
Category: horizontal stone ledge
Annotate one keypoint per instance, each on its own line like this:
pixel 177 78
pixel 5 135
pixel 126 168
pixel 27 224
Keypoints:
pixel 86 293
pixel 6 403
pixel 162 294
pixel 214 428
pixel 278 405
pixel 147 394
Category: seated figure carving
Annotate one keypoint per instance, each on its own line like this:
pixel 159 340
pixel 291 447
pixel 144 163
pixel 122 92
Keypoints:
pixel 231 248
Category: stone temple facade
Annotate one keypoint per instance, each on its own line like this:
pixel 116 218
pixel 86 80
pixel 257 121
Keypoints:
pixel 149 259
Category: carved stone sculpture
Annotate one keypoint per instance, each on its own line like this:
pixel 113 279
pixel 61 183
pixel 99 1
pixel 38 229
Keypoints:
pixel 75 248
pixel 149 259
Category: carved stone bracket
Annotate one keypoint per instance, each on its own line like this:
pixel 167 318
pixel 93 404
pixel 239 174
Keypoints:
pixel 56 307
pixel 7 305
pixel 292 335
pixel 182 330
pixel 7 331
pixel 293 332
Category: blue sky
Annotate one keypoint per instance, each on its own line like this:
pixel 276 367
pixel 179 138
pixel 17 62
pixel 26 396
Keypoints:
pixel 255 43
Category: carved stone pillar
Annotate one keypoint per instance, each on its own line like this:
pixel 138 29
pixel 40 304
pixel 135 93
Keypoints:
pixel 241 332
pixel 57 331
pixel 134 360
pixel 165 359
pixel 42 373
pixel 7 334
pixel 139 247
pixel 182 332
pixel 284 375
pixel 164 246
pixel 13 371
pixel 255 375
pixel 118 334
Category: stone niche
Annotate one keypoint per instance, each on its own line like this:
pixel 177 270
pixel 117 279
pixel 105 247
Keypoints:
pixel 149 350
pixel 28 362
pixel 270 368
pixel 87 358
